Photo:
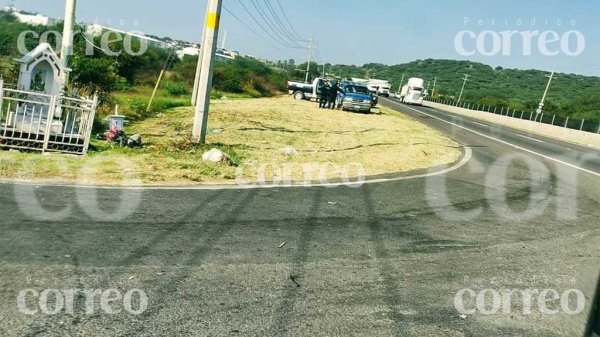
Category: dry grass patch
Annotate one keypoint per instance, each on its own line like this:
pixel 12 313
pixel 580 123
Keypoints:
pixel 254 132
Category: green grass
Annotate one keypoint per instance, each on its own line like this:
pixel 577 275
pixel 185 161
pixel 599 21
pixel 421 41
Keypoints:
pixel 133 103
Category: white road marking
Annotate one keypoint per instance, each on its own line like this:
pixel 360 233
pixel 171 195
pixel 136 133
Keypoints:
pixel 480 124
pixel 535 140
pixel 506 143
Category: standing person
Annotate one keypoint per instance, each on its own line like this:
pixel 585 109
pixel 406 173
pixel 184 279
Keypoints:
pixel 324 95
pixel 333 92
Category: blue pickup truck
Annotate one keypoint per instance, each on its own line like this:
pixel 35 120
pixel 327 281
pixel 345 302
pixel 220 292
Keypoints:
pixel 355 97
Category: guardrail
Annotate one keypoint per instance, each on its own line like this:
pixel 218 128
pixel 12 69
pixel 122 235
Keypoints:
pixel 35 121
pixel 544 118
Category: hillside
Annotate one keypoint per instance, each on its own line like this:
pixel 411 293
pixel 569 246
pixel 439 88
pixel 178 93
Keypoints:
pixel 570 95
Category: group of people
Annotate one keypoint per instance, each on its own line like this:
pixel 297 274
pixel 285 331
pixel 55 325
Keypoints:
pixel 329 93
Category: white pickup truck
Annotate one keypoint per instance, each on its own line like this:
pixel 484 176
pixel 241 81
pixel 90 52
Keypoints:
pixel 307 91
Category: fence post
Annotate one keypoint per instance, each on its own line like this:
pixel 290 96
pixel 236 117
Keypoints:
pixel 531 117
pixel 581 128
pixel 553 119
pixel 502 112
pixel 50 118
pixel 598 128
pixel 489 108
pixel 522 113
pixel 542 118
pixel 567 122
pixel 513 115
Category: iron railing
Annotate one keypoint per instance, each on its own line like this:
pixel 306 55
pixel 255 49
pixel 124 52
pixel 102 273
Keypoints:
pixel 35 121
pixel 545 118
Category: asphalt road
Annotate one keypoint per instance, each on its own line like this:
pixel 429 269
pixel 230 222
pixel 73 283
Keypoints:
pixel 384 259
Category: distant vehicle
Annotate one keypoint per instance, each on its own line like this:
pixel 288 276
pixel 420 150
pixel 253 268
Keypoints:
pixel 377 87
pixel 402 93
pixel 380 87
pixel 308 91
pixel 355 97
pixel 413 92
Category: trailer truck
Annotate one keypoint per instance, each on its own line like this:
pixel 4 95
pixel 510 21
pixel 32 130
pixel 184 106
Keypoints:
pixel 413 92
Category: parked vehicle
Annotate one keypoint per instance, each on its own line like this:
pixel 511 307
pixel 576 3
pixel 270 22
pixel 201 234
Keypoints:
pixel 375 100
pixel 355 97
pixel 308 91
pixel 413 92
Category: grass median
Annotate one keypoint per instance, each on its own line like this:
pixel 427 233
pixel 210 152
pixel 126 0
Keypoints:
pixel 330 145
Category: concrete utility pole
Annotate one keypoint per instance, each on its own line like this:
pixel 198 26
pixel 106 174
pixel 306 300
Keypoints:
pixel 463 88
pixel 434 84
pixel 66 49
pixel 401 83
pixel 310 48
pixel 224 40
pixel 209 48
pixel 542 102
pixel 198 70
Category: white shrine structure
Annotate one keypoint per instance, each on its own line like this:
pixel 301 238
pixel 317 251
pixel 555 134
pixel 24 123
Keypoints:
pixel 37 115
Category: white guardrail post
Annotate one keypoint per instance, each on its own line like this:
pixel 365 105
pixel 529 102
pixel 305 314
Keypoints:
pixel 1 94
pixel 88 132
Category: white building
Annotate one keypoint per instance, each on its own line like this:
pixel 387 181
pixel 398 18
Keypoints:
pixel 188 51
pixel 95 30
pixel 195 51
pixel 32 19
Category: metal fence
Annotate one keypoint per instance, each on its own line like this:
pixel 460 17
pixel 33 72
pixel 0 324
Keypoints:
pixel 545 118
pixel 35 121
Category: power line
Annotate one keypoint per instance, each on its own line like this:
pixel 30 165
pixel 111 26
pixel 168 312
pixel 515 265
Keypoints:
pixel 284 29
pixel 255 32
pixel 263 28
pixel 271 24
pixel 289 23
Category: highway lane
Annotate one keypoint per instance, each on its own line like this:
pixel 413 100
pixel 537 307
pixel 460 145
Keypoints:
pixel 385 259
pixel 574 154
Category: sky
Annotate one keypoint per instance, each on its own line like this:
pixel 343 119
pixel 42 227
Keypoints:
pixel 375 31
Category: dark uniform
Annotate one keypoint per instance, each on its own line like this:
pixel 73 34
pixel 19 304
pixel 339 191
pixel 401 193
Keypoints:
pixel 333 92
pixel 324 95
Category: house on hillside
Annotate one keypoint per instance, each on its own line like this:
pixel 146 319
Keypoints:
pixel 31 18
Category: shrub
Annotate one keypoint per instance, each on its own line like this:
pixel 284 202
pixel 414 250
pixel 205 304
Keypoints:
pixel 176 89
